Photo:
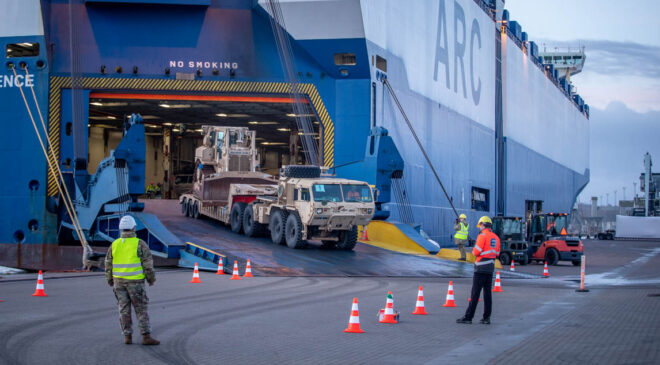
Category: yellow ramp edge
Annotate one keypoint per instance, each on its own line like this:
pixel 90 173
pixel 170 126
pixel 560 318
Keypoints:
pixel 387 236
pixel 454 255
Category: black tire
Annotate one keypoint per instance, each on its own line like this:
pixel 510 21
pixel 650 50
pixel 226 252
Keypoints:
pixel 184 206
pixel 301 171
pixel 552 256
pixel 276 225
pixel 251 227
pixel 293 231
pixel 505 258
pixel 195 210
pixel 236 217
pixel 348 239
pixel 576 262
pixel 524 260
pixel 601 236
pixel 610 237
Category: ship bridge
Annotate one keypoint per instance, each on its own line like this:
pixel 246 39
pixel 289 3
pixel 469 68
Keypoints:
pixel 567 61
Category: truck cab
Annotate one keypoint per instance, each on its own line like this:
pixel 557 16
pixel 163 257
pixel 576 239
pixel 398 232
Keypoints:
pixel 549 241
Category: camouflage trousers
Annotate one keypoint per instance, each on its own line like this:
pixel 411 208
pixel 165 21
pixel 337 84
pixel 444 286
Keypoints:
pixel 132 293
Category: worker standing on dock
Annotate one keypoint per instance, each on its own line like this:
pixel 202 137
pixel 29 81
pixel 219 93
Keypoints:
pixel 127 264
pixel 460 237
pixel 485 250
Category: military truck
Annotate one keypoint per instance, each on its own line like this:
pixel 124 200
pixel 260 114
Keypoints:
pixel 301 205
pixel 511 231
pixel 309 206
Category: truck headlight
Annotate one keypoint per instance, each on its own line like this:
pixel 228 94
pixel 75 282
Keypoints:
pixel 319 211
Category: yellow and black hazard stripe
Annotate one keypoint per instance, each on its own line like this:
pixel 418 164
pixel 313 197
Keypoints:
pixel 57 83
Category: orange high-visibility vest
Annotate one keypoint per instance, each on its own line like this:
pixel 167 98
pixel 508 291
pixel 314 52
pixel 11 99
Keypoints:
pixel 487 247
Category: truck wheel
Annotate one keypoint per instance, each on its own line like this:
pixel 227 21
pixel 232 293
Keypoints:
pixel 184 207
pixel 601 237
pixel 301 171
pixel 348 239
pixel 277 222
pixel 195 210
pixel 505 258
pixel 236 217
pixel 552 256
pixel 293 229
pixel 251 227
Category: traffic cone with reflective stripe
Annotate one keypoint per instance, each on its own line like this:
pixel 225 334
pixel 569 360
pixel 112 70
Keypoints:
pixel 498 283
pixel 450 296
pixel 354 319
pixel 513 266
pixel 419 306
pixel 365 236
pixel 234 274
pixel 221 268
pixel 388 317
pixel 195 279
pixel 248 270
pixel 39 292
pixel 546 274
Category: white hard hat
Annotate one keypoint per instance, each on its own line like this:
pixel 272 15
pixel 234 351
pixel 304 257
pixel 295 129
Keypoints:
pixel 127 223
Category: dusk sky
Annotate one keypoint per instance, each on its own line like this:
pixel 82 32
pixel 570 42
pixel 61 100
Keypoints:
pixel 620 80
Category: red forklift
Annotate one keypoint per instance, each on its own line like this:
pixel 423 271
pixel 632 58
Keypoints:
pixel 548 240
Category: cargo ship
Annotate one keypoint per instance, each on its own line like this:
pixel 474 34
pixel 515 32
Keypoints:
pixel 500 129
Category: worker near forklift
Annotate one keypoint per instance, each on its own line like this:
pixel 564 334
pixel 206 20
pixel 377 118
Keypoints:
pixel 486 251
pixel 127 264
pixel 460 237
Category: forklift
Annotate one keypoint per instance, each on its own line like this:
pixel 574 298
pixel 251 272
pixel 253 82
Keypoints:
pixel 513 246
pixel 548 240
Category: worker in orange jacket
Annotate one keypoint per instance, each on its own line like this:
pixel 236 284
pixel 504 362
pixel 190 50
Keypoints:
pixel 486 250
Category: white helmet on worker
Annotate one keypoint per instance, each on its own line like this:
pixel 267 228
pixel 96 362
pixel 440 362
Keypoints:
pixel 127 223
pixel 485 219
pixel 462 216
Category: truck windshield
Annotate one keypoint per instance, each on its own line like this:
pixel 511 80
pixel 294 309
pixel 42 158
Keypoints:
pixel 512 228
pixel 326 192
pixel 356 193
pixel 555 224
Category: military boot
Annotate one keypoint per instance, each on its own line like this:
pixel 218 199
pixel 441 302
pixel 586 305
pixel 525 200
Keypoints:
pixel 148 340
pixel 128 339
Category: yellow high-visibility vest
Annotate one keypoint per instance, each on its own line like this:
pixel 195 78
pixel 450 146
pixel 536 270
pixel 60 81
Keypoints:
pixel 462 234
pixel 125 262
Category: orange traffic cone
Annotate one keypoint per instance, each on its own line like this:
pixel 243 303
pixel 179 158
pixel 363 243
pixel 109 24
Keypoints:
pixel 354 319
pixel 39 292
pixel 546 274
pixel 450 296
pixel 195 279
pixel 248 270
pixel 498 283
pixel 365 235
pixel 221 268
pixel 513 266
pixel 388 317
pixel 419 306
pixel 234 274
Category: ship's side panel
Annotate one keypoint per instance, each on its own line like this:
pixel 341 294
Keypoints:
pixel 547 140
pixel 24 218
pixel 440 63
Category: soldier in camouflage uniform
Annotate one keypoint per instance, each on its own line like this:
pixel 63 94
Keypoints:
pixel 126 272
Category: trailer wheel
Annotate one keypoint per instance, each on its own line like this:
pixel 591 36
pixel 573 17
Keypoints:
pixel 195 210
pixel 277 222
pixel 348 239
pixel 184 206
pixel 293 230
pixel 552 256
pixel 251 227
pixel 236 217
pixel 505 258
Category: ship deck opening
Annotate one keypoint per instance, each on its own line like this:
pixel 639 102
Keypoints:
pixel 182 116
